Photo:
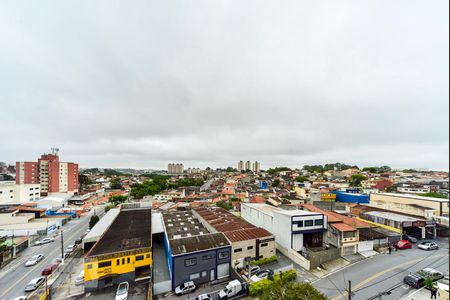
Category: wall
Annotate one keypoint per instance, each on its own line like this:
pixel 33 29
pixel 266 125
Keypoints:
pixel 316 258
pixel 393 202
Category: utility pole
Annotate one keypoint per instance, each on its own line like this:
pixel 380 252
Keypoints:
pixel 349 290
pixel 62 247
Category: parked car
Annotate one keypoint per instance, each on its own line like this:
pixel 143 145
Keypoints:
pixel 49 269
pixel 253 270
pixel 122 291
pixel 414 280
pixel 428 246
pixel 70 248
pixel 78 241
pixel 431 273
pixel 66 255
pixel 34 284
pixel 260 275
pixel 403 244
pixel 34 260
pixel 80 278
pixel 232 289
pixel 185 288
pixel 44 241
pixel 203 297
pixel 20 298
pixel 410 238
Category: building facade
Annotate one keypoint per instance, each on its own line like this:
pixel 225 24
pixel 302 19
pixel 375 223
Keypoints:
pixel 52 175
pixel 241 166
pixel 173 168
pixel 256 167
pixel 11 193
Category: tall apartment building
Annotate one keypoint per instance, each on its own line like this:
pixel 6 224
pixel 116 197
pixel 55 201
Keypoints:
pixel 53 176
pixel 175 168
pixel 256 167
pixel 241 166
pixel 248 165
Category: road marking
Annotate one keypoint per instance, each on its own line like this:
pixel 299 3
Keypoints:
pixel 364 282
pixel 48 256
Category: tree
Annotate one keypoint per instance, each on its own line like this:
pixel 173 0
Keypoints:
pixel 230 170
pixel 292 291
pixel 83 180
pixel 94 219
pixel 276 182
pixel 434 195
pixel 117 199
pixel 108 207
pixel 115 184
pixel 225 204
pixel 301 179
pixel 273 171
pixel 356 179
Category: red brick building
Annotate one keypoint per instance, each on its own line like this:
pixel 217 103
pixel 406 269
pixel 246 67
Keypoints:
pixel 53 176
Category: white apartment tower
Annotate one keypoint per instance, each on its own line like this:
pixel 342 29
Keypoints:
pixel 175 168
pixel 240 166
pixel 256 167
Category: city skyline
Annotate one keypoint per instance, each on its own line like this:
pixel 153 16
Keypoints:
pixel 303 83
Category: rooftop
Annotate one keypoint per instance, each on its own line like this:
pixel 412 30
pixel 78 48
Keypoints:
pixel 181 224
pixel 198 243
pixel 270 210
pixel 130 230
pixel 392 216
pixel 415 197
pixel 342 227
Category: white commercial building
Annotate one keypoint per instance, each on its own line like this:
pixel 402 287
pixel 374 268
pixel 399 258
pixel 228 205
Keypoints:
pixel 12 193
pixel 293 229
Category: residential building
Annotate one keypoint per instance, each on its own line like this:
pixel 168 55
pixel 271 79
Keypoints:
pixel 11 193
pixel 248 165
pixel 256 167
pixel 241 166
pixel 53 176
pixel 246 239
pixel 194 253
pixel 123 252
pixel 413 188
pixel 173 168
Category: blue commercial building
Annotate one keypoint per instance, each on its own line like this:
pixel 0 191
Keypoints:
pixel 351 197
pixel 193 253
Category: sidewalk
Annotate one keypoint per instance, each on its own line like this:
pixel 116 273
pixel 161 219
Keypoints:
pixel 67 287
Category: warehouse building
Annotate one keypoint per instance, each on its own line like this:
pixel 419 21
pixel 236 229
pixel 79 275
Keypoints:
pixel 123 252
pixel 246 239
pixel 193 253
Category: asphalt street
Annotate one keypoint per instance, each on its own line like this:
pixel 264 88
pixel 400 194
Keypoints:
pixel 383 272
pixel 15 275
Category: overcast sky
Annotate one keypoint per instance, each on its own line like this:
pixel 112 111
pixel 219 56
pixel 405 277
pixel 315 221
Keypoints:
pixel 209 83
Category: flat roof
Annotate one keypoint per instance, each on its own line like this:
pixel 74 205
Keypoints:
pixel 270 210
pixel 247 234
pixel 130 230
pixel 181 224
pixel 198 243
pixel 392 216
pixel 415 197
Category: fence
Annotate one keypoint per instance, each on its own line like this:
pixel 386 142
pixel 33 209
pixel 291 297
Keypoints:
pixel 317 258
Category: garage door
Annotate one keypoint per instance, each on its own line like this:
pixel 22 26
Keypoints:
pixel 365 246
pixel 223 271
pixel 348 250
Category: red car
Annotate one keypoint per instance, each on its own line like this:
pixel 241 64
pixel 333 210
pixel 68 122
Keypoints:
pixel 403 244
pixel 49 269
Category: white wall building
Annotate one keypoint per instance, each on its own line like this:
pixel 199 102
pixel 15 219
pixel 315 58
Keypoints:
pixel 11 193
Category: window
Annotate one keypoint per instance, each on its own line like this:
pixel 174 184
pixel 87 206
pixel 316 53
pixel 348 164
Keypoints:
pixel 139 257
pixel 194 276
pixel 249 247
pixel 308 223
pixel 318 222
pixel 299 223
pixel 237 250
pixel 264 245
pixel 123 261
pixel 147 255
pixel 190 262
pixel 118 262
pixel 128 260
pixel 104 264
pixel 204 273
pixel 208 256
pixel 223 255
pixel 89 266
pixel 349 234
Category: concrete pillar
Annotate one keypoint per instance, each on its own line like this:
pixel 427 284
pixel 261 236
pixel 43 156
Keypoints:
pixel 434 232
pixel 424 232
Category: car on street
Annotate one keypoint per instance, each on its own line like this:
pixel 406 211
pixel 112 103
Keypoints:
pixel 410 238
pixel 34 260
pixel 80 278
pixel 34 284
pixel 70 248
pixel 44 241
pixel 48 270
pixel 203 297
pixel 185 288
pixel 414 280
pixel 20 298
pixel 66 255
pixel 428 246
pixel 403 244
pixel 122 291
pixel 431 273
pixel 78 241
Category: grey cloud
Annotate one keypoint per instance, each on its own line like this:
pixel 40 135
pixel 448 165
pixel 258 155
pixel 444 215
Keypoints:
pixel 144 83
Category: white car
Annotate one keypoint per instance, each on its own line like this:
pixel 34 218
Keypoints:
pixel 428 246
pixel 80 278
pixel 20 298
pixel 44 241
pixel 70 248
pixel 185 288
pixel 203 297
pixel 122 291
pixel 34 260
pixel 34 284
